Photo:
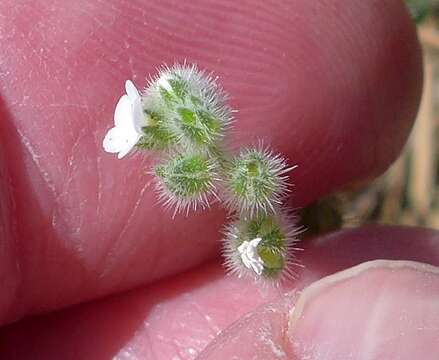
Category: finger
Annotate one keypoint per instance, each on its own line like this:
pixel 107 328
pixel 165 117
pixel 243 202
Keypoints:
pixel 377 310
pixel 79 224
pixel 179 317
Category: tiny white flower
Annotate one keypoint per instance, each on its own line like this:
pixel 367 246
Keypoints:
pixel 128 123
pixel 250 256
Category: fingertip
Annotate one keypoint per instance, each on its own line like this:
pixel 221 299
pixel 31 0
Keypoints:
pixel 374 309
pixel 380 309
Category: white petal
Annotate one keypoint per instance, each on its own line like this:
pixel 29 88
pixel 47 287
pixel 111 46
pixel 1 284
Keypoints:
pixel 252 251
pixel 255 241
pixel 257 267
pixel 246 261
pixel 139 119
pixel 130 140
pixel 113 141
pixel 250 256
pixel 120 141
pixel 243 247
pixel 131 90
pixel 123 114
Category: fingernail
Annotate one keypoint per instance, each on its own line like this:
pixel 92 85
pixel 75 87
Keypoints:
pixel 377 310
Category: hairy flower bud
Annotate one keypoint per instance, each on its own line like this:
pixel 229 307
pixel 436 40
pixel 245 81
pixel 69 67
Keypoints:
pixel 262 246
pixel 186 181
pixel 194 105
pixel 256 181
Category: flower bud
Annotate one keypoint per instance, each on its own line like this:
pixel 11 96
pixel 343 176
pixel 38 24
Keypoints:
pixel 256 182
pixel 194 105
pixel 261 247
pixel 186 181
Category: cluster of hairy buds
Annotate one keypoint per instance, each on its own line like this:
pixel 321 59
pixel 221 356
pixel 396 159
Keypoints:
pixel 183 115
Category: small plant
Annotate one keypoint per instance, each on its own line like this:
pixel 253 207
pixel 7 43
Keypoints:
pixel 183 115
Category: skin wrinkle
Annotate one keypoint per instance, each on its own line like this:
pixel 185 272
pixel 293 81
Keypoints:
pixel 212 327
pixel 16 252
pixel 107 258
pixel 35 160
pixel 55 212
pixel 100 264
pixel 190 310
pixel 98 182
pixel 266 327
pixel 265 337
pixel 71 165
pixel 200 48
pixel 266 15
pixel 236 42
pixel 95 29
pixel 65 193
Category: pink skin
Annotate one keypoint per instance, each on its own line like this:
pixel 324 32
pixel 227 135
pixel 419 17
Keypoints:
pixel 333 85
pixel 79 224
pixel 180 316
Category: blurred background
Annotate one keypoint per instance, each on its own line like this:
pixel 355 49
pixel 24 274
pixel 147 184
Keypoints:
pixel 408 193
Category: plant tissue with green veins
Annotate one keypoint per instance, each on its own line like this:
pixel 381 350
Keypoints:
pixel 183 115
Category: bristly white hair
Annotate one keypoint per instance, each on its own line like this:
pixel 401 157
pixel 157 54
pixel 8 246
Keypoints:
pixel 182 201
pixel 198 85
pixel 275 185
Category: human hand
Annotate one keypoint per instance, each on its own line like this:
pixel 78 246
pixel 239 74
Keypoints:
pixel 333 86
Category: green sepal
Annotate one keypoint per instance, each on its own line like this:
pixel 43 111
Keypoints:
pixel 199 127
pixel 156 136
pixel 271 248
pixel 180 88
pixel 271 257
pixel 167 96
